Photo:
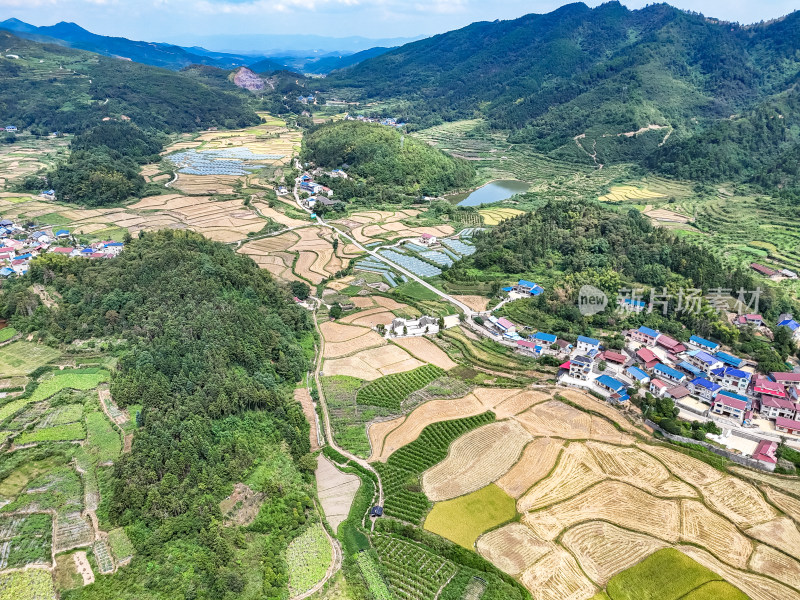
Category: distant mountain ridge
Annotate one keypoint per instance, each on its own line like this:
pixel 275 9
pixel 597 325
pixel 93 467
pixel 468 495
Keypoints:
pixel 606 81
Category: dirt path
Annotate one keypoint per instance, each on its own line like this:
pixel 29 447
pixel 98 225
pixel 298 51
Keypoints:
pixel 39 290
pixel 83 567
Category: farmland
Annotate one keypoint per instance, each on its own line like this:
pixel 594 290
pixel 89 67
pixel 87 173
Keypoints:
pixel 308 557
pixel 33 584
pixel 414 573
pixel 390 391
pixel 21 358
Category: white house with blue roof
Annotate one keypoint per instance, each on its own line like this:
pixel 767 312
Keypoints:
pixel 618 391
pixel 703 388
pixel 637 374
pixel 644 335
pixel 528 287
pixel 729 359
pixel 787 320
pixel 586 345
pixel 545 339
pixel 666 373
pixel 702 344
pixel 703 360
pixel 732 380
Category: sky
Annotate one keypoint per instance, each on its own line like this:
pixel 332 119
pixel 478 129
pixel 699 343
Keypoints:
pixel 182 20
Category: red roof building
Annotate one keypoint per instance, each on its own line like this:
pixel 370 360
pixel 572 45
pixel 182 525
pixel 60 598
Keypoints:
pixel 766 452
pixel 766 271
pixel 785 425
pixel 614 357
pixel 671 344
pixel 62 250
pixel 786 377
pixel 678 392
pixel 648 357
pixel 765 387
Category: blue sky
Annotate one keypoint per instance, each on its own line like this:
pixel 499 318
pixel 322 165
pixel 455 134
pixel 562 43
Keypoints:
pixel 163 20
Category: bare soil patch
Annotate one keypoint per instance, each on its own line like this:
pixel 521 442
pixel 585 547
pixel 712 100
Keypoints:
pixel 242 506
pixel 476 303
pixel 426 351
pixel 83 567
pixel 377 432
pixel 368 339
pixel 303 396
pixel 336 491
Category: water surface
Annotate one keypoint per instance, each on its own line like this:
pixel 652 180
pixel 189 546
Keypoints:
pixel 496 191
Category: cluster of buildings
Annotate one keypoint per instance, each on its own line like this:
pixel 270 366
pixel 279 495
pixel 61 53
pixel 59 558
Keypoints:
pixel 424 325
pixel 387 122
pixel 320 195
pixel 18 246
pixel 11 129
pixel 523 289
pixel 771 273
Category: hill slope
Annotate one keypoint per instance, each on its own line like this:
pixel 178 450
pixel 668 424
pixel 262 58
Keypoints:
pixel 597 72
pixel 59 88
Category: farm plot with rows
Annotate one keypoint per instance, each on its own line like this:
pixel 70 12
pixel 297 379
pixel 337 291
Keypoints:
pixel 308 558
pixel 537 460
pixel 31 584
pixel 475 460
pixel 410 461
pixel 495 216
pixel 372 576
pixel 26 540
pixel 557 575
pixel 425 350
pixel 413 572
pixel 416 266
pixel 390 391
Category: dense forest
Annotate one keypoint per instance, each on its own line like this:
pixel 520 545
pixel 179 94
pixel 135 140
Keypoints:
pixel 576 243
pixel 61 89
pixel 211 350
pixel 602 72
pixel 381 159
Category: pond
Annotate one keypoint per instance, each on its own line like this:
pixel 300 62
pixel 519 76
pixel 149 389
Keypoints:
pixel 495 191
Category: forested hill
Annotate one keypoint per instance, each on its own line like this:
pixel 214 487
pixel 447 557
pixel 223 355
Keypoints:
pixel 54 88
pixel 211 351
pixel 599 72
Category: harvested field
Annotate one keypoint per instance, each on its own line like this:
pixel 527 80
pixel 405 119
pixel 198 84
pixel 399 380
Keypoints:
pixel 758 588
pixel 769 561
pixel 493 216
pixel 303 267
pixel 373 363
pixel 278 243
pixel 787 484
pixel 576 470
pixel 741 502
pixel 691 470
pixel 491 397
pixel 666 216
pixel 638 468
pixel 430 412
pixel 588 402
pixel 556 419
pixel 603 550
pixel 519 403
pixel 279 264
pixel 707 529
pixel 278 216
pixel 476 303
pixel 380 310
pixel 425 350
pixel 389 303
pixel 536 462
pixel 557 577
pixel 780 533
pixel 368 339
pixel 615 502
pixel 335 490
pixel 334 332
pixel 475 460
pixel 789 505
pixel 512 548
pixel 302 396
pixel 621 193
pixel 363 302
pixel 377 432
pixel 373 318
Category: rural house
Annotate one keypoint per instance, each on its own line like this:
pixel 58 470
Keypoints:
pixel 580 367
pixel 585 345
pixel 703 360
pixel 731 379
pixel 668 374
pixel 773 408
pixel 731 405
pixel 703 344
pixel 671 345
pixel 528 287
pixel 647 357
pixel 638 375
pixel 789 426
pixel 413 327
pixel 658 388
pixel 766 454
pixel 703 388
pixel 644 335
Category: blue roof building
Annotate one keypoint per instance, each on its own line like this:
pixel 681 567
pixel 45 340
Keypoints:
pixel 638 374
pixel 648 332
pixel 610 383
pixel 62 233
pixel 703 343
pixel 728 359
pixel 6 272
pixel 668 372
pixel 790 323
pixel 686 366
pixel 547 338
pixel 24 256
pixel 705 383
pixel 588 341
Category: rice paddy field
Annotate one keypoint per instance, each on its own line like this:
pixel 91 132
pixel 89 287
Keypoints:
pixel 28 155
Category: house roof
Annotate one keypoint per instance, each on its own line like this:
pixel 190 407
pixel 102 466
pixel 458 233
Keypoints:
pixel 526 283
pixel 505 323
pixel 679 392
pixel 771 388
pixel 565 365
pixel 637 373
pixel 588 340
pixel 583 360
pixel 786 377
pixel 790 323
pixel 729 359
pixel 648 332
pixel 733 395
pixel 730 402
pixel 731 372
pixel 62 250
pixel 686 366
pixel 765 451
pixel 610 382
pixel 771 402
pixel 787 423
pixel 762 269
pixel 670 343
pixel 705 383
pixel 658 383
pixel 703 356
pixel 527 344
pixel 670 372
pixel 615 357
pixel 646 355
pixel 703 342
pixel 548 338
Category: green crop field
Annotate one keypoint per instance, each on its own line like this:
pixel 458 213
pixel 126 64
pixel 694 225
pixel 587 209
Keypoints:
pixel 668 575
pixel 400 473
pixel 32 584
pixel 372 576
pixel 59 433
pixel 415 291
pixel 104 442
pixel 348 419
pixel 462 520
pixel 414 573
pixel 6 333
pixel 121 546
pixel 390 391
pixel 20 358
pixel 308 557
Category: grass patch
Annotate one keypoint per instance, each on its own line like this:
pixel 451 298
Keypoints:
pixel 19 478
pixel 59 433
pixel 21 358
pixel 6 333
pixel 415 291
pixel 716 590
pixel 33 583
pixel 308 558
pixel 664 575
pixel 104 443
pixel 462 520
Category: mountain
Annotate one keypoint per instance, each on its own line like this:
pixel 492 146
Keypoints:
pixel 149 53
pixel 630 81
pixel 327 64
pixel 53 88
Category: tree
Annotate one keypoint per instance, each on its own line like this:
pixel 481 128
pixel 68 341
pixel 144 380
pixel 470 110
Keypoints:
pixel 300 289
pixel 335 311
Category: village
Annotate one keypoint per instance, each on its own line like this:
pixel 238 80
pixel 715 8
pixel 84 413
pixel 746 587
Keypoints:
pixel 19 244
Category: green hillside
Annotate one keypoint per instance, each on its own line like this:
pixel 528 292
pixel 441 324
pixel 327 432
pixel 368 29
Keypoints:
pixel 658 74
